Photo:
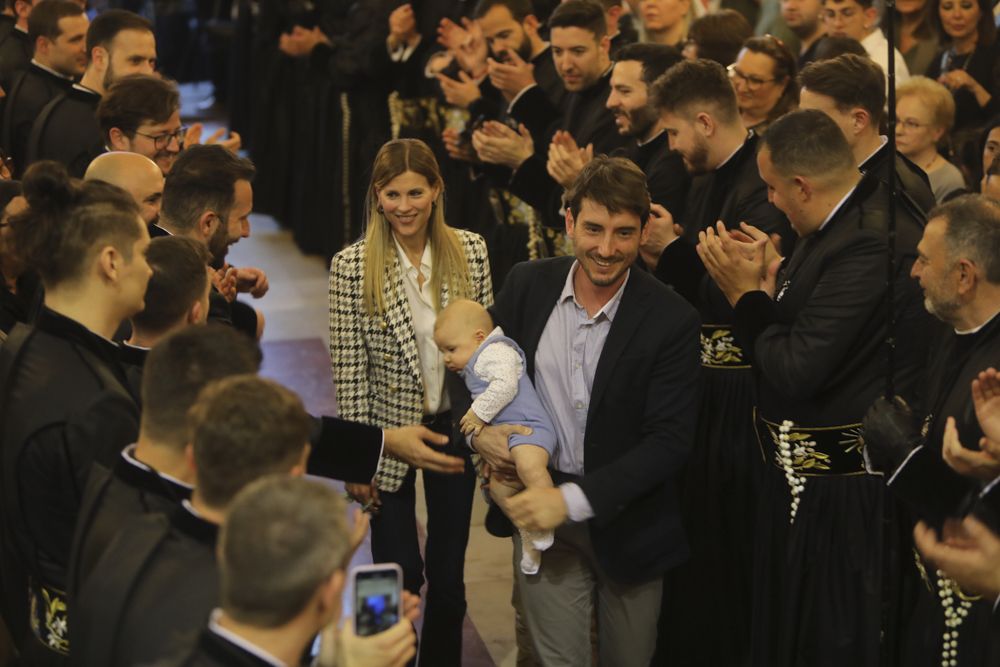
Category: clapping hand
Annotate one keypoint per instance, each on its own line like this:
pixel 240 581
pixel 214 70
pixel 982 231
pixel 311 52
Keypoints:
pixel 193 137
pixel 566 159
pixel 496 143
pixel 301 41
pixel 512 76
pixel 465 43
pixel 403 27
pixel 461 92
pixel 737 267
pixel 659 232
pixel 969 553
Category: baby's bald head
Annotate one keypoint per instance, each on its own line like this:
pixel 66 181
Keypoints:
pixel 459 329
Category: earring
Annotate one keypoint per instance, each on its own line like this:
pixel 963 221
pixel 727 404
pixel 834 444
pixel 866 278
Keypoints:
pixel 381 211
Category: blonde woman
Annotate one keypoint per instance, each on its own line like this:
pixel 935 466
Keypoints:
pixel 385 293
pixel 925 112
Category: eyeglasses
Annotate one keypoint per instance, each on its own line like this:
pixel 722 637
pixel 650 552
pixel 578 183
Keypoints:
pixel 161 141
pixel 910 124
pixel 751 82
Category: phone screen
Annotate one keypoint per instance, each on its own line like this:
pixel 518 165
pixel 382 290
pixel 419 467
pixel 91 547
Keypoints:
pixel 376 601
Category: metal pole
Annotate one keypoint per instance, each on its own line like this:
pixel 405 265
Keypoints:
pixel 890 292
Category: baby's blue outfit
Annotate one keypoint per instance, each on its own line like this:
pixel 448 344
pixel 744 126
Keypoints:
pixel 526 408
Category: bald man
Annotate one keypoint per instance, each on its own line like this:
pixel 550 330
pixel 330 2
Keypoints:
pixel 137 175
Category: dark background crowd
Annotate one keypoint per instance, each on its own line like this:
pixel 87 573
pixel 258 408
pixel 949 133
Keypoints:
pixel 765 329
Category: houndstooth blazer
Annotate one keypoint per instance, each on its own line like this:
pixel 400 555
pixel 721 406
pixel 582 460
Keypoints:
pixel 376 366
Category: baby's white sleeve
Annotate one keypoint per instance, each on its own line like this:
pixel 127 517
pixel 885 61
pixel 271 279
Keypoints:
pixel 500 365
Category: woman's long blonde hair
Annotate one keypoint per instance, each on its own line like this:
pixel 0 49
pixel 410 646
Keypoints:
pixel 450 265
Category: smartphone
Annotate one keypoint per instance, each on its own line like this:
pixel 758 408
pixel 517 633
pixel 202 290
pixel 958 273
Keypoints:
pixel 378 597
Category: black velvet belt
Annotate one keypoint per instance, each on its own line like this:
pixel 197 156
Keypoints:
pixel 719 348
pixel 814 451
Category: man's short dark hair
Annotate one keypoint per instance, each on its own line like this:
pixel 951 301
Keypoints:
pixel 655 59
pixel 829 47
pixel 179 367
pixel 850 81
pixel 719 36
pixel 866 4
pixel 135 100
pixel 519 9
pixel 615 183
pixel 808 142
pixel 67 220
pixel 45 17
pixel 203 178
pixel 106 26
pixel 282 538
pixel 585 14
pixel 244 428
pixel 973 231
pixel 179 280
pixel 693 86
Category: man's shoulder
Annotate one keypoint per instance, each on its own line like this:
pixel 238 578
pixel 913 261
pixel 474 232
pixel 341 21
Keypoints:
pixel 548 269
pixel 661 300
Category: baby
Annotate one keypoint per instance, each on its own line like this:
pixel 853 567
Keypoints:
pixel 493 367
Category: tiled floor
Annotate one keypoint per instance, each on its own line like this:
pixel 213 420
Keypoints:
pixel 295 340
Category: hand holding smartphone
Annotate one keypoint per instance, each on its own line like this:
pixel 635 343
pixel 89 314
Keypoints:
pixel 378 597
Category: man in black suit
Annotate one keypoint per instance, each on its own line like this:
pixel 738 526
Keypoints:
pixel 583 128
pixel 814 329
pixel 58 30
pixel 613 354
pixel 851 90
pixel 289 526
pixel 16 47
pixel 158 580
pixel 118 43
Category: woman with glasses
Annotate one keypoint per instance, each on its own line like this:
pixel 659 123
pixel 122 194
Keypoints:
pixel 764 78
pixel 925 112
pixel 385 293
pixel 969 65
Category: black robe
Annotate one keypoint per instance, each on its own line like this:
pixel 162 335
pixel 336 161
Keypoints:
pixel 150 593
pixel 65 404
pixel 113 497
pixel 213 650
pixel 31 91
pixel 666 176
pixel 66 131
pixel 16 51
pixel 825 583
pixel 712 593
pixel 957 360
pixel 911 180
pixel 587 118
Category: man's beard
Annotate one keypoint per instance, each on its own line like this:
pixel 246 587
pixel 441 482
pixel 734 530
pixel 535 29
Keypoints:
pixel 805 29
pixel 697 161
pixel 218 247
pixel 641 121
pixel 109 75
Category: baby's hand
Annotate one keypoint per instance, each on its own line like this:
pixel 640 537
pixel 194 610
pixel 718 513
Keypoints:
pixel 471 424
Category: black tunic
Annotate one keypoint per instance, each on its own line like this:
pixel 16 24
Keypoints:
pixel 956 362
pixel 66 131
pixel 666 176
pixel 911 180
pixel 65 405
pixel 587 118
pixel 213 650
pixel 113 498
pixel 711 593
pixel 16 50
pixel 31 91
pixel 818 352
pixel 151 591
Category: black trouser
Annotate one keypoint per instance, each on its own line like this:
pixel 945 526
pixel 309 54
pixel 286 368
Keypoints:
pixel 394 540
